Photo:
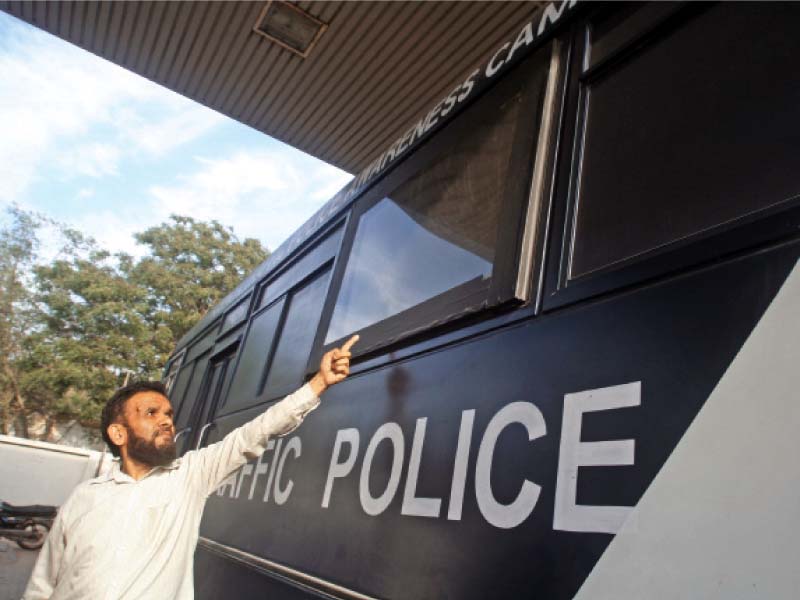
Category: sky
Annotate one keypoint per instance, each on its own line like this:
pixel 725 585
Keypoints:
pixel 111 153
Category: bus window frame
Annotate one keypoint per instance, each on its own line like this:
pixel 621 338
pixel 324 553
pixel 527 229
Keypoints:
pixel 501 290
pixel 172 370
pixel 322 237
pixel 225 345
pixel 226 325
pixel 327 266
pixel 725 239
pixel 330 262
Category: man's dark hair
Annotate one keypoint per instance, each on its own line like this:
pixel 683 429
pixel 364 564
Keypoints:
pixel 114 410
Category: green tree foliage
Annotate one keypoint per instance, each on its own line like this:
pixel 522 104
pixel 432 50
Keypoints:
pixel 92 332
pixel 18 247
pixel 95 320
pixel 191 266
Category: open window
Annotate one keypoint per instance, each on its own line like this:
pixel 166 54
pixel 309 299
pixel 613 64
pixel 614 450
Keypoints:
pixel 439 237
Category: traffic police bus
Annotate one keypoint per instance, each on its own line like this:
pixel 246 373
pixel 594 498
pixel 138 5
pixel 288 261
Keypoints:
pixel 576 285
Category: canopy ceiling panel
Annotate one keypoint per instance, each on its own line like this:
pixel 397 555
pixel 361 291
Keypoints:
pixel 373 72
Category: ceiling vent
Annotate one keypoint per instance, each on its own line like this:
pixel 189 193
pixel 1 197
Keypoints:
pixel 290 26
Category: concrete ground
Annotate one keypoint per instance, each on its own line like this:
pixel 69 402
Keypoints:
pixel 16 565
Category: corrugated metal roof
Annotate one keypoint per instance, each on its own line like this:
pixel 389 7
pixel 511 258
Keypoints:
pixel 376 70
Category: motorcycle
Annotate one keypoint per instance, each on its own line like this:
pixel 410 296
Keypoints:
pixel 26 525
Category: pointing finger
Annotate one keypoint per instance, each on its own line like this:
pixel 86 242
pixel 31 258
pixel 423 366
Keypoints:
pixel 349 343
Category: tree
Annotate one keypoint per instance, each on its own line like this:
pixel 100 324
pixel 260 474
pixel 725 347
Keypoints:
pixel 86 321
pixel 18 251
pixel 190 267
pixel 92 331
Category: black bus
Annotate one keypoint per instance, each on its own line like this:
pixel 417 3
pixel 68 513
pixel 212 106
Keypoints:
pixel 576 285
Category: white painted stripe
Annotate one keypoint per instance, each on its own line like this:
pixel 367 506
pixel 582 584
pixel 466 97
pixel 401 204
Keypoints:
pixel 722 517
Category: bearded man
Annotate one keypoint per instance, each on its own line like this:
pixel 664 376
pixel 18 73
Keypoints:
pixel 132 532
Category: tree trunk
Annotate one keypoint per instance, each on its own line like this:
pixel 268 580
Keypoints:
pixel 49 427
pixel 21 425
pixel 5 415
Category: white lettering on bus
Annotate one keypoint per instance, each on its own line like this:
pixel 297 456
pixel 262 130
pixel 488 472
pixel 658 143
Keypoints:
pixel 261 469
pixel 468 85
pixel 450 101
pixel 494 64
pixel 573 453
pixel 506 516
pixel 524 38
pixel 339 468
pixel 412 504
pixel 271 474
pixel 295 446
pixel 459 481
pixel 552 13
pixel 375 505
pixel 274 469
pixel 568 516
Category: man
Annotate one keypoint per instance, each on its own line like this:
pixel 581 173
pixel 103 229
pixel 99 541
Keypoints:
pixel 131 534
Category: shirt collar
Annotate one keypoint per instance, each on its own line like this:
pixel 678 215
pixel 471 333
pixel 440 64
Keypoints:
pixel 114 473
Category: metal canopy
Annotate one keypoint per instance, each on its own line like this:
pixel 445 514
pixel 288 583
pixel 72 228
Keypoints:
pixel 376 69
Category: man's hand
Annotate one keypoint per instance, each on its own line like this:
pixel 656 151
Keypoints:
pixel 335 366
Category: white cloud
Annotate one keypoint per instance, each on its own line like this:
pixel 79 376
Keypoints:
pixel 158 135
pixel 265 195
pixel 94 159
pixel 262 194
pixel 52 92
pixel 66 114
pixel 113 230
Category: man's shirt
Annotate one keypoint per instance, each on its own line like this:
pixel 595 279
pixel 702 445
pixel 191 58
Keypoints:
pixel 117 538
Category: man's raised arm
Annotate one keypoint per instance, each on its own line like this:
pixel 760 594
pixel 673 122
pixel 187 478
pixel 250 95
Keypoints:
pixel 212 465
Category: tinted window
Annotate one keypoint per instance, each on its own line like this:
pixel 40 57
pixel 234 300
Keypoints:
pixel 184 412
pixel 308 263
pixel 250 369
pixel 172 373
pixel 697 129
pixel 237 314
pixel 288 365
pixel 435 231
pixel 178 388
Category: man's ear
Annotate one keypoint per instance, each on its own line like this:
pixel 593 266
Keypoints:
pixel 118 434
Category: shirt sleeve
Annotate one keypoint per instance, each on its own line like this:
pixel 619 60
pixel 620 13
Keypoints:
pixel 48 565
pixel 212 465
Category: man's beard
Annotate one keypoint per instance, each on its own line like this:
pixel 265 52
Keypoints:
pixel 145 451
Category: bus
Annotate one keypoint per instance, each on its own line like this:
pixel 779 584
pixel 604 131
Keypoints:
pixel 576 283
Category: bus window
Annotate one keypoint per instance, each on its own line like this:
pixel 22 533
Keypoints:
pixel 172 372
pixel 438 234
pixel 320 253
pixel 186 408
pixel 178 388
pixel 237 314
pixel 678 141
pixel 288 365
pixel 249 375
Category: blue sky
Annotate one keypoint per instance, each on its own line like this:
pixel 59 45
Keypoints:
pixel 111 153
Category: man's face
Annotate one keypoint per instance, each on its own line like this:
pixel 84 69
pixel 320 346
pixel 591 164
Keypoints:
pixel 151 432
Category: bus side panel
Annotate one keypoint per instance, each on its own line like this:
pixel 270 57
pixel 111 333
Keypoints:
pixel 636 366
pixel 218 577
